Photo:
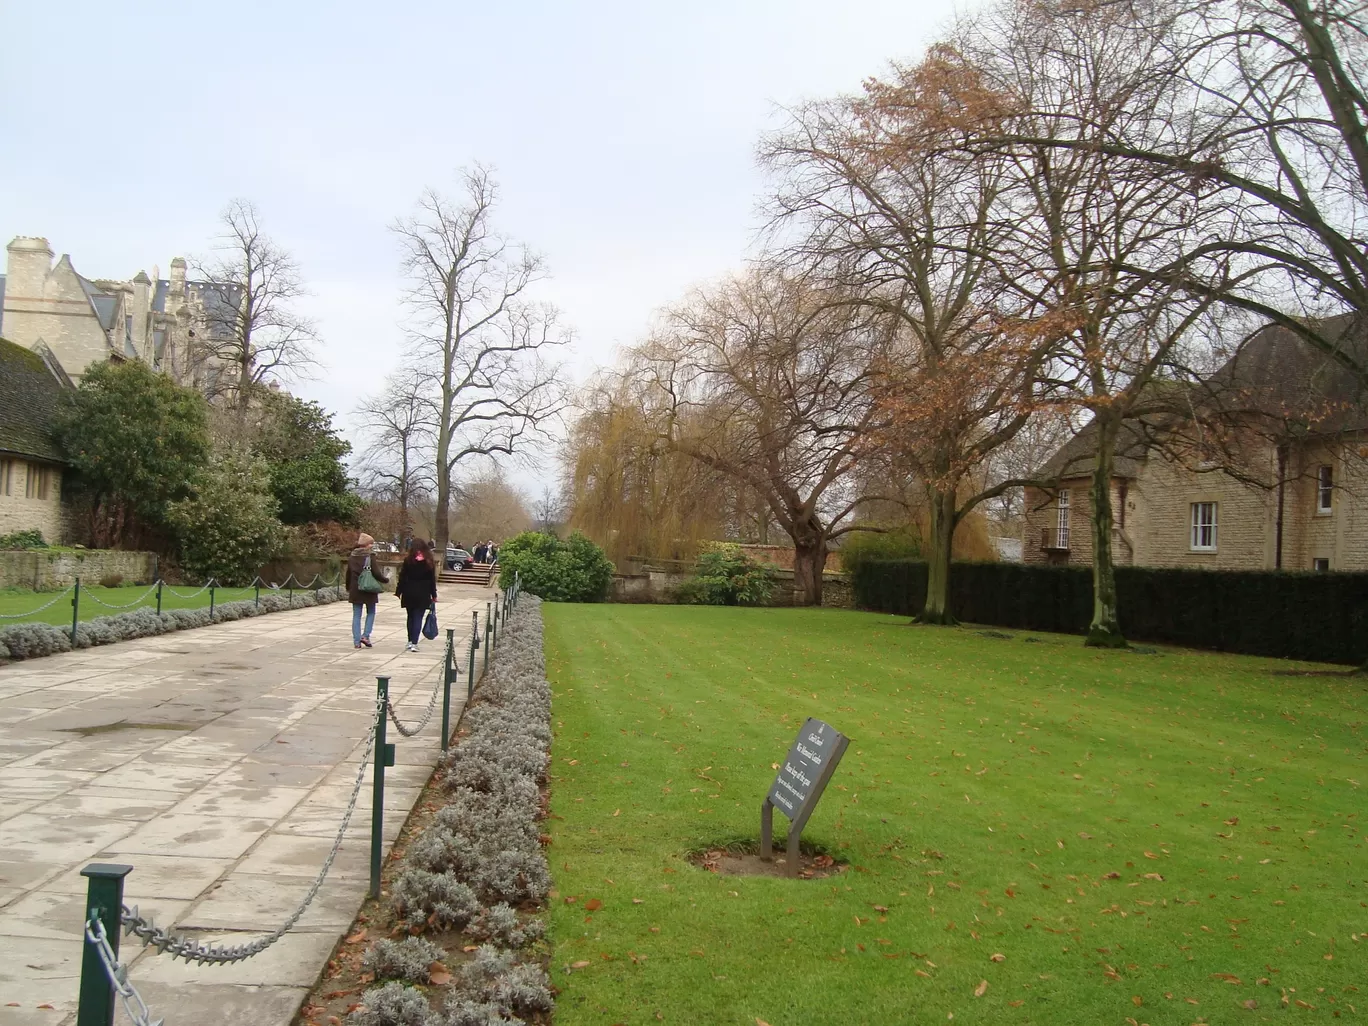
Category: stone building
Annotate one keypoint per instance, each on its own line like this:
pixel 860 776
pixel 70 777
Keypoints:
pixel 1297 499
pixel 31 383
pixel 165 322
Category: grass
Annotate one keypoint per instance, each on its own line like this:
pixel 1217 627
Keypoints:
pixel 18 601
pixel 1145 838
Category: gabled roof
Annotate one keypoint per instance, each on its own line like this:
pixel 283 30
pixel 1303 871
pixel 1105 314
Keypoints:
pixel 30 391
pixel 1275 375
pixel 2 303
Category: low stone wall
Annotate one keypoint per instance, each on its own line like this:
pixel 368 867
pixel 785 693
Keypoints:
pixel 55 569
pixel 662 588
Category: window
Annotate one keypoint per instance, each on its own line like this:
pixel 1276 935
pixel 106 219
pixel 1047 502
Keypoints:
pixel 6 476
pixel 1204 527
pixel 1325 486
pixel 36 482
pixel 1320 565
pixel 1062 534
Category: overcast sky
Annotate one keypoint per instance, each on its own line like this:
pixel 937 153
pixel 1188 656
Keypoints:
pixel 623 136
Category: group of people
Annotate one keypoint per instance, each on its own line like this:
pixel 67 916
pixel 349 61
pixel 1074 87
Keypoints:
pixel 416 588
pixel 482 552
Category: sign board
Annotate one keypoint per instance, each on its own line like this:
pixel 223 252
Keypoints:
pixel 799 784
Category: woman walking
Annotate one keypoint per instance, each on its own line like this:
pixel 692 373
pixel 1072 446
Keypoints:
pixel 417 588
pixel 361 560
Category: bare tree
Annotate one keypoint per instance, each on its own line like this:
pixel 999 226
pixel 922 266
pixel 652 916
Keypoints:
pixel 396 462
pixel 910 228
pixel 774 387
pixel 479 338
pixel 548 510
pixel 251 333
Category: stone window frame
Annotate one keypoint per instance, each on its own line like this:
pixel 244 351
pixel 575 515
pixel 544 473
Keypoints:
pixel 37 482
pixel 6 476
pixel 1063 518
pixel 1321 564
pixel 1197 525
pixel 1325 490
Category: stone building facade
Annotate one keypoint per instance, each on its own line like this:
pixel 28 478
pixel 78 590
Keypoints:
pixel 31 466
pixel 1299 501
pixel 162 321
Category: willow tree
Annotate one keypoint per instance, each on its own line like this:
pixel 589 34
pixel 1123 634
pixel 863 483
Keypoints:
pixel 627 489
pixel 774 385
pixel 876 196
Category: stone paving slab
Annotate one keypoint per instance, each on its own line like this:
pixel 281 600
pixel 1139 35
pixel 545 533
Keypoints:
pixel 218 763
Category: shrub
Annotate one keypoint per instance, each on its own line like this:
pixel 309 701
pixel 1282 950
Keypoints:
pixel 497 977
pixel 574 570
pixel 464 1012
pixel 726 576
pixel 394 1005
pixel 409 959
pixel 111 580
pixel 438 898
pixel 500 925
pixel 1314 616
pixel 861 547
pixel 23 540
pixel 229 528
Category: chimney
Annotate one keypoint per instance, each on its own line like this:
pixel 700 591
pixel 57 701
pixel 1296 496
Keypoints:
pixel 142 311
pixel 178 277
pixel 29 261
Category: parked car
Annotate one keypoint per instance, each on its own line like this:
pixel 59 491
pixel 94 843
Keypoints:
pixel 459 559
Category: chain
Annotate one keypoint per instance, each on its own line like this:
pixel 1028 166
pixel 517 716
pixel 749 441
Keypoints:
pixel 140 1015
pixel 432 704
pixel 33 612
pixel 173 591
pixel 127 605
pixel 201 952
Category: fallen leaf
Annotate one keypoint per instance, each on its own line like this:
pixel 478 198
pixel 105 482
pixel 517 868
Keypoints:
pixel 638 901
pixel 617 812
pixel 357 937
pixel 580 965
pixel 1112 876
pixel 1150 855
pixel 1137 1000
pixel 438 975
pixel 760 1022
pixel 998 957
pixel 1154 876
pixel 1251 1004
pixel 593 905
pixel 1015 1004
pixel 981 989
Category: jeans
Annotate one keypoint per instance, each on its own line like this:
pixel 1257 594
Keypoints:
pixel 415 623
pixel 357 632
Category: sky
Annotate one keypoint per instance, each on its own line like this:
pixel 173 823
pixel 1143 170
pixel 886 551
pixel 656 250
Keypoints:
pixel 623 136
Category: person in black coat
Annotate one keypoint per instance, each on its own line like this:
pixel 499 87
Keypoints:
pixel 417 588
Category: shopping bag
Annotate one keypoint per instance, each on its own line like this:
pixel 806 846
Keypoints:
pixel 430 623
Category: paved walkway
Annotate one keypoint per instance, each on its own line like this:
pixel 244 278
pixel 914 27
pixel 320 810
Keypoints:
pixel 218 763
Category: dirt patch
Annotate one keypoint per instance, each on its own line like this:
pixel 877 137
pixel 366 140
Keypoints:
pixel 733 862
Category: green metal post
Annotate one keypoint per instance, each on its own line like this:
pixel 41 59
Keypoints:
pixel 485 668
pixel 384 756
pixel 75 611
pixel 257 585
pixel 104 901
pixel 494 633
pixel 448 672
pixel 212 584
pixel 159 593
pixel 292 592
pixel 474 644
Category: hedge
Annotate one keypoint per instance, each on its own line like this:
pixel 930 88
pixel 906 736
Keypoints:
pixel 1321 617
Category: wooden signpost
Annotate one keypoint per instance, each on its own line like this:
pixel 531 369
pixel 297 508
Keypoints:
pixel 802 778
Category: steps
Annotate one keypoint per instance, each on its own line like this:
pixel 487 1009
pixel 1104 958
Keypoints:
pixel 481 575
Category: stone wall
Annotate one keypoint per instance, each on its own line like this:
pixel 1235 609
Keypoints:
pixel 52 570
pixel 19 513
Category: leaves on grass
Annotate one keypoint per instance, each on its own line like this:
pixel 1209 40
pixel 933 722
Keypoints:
pixel 581 964
pixel 997 957
pixel 357 937
pixel 593 905
pixel 981 989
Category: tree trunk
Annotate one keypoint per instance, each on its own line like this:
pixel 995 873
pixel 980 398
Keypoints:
pixel 1105 630
pixel 942 535
pixel 809 557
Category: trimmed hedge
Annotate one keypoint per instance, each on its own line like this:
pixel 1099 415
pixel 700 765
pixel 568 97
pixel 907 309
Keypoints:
pixel 1321 617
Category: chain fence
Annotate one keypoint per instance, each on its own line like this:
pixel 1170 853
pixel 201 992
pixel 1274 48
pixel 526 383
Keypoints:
pixel 40 609
pixel 126 605
pixel 134 1005
pixel 431 706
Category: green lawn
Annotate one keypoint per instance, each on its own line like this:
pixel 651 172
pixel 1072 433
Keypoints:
pixel 1149 838
pixel 17 601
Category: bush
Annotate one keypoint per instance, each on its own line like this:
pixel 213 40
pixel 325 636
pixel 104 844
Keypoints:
pixel 23 540
pixel 726 576
pixel 111 580
pixel 408 959
pixel 1313 616
pixel 574 570
pixel 393 1005
pixel 861 547
pixel 229 528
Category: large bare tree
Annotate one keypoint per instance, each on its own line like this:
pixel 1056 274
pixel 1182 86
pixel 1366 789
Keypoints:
pixel 882 202
pixel 250 331
pixel 396 461
pixel 774 385
pixel 477 334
